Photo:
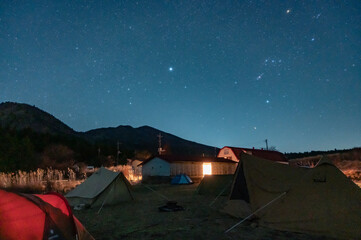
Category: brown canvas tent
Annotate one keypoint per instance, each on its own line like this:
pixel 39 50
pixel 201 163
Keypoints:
pixel 320 200
pixel 38 217
pixel 104 187
pixel 215 185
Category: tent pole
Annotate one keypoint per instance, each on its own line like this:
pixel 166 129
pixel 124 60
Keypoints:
pixel 269 203
pixel 156 192
pixel 224 189
pixel 105 199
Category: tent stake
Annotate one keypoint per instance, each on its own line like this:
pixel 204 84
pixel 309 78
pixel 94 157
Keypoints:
pixel 284 193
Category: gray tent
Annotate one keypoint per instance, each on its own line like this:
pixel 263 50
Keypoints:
pixel 104 186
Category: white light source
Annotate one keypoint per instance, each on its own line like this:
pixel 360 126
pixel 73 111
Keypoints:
pixel 207 169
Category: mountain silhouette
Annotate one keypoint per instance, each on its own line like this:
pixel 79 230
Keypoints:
pixel 20 116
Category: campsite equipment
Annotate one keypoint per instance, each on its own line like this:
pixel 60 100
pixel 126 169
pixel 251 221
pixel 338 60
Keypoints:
pixel 319 200
pixel 104 187
pixel 181 179
pixel 38 217
pixel 171 206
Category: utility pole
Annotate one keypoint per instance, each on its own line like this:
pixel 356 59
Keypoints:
pixel 160 150
pixel 99 155
pixel 266 144
pixel 118 152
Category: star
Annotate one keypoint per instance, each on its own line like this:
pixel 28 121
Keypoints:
pixel 312 39
pixel 288 11
pixel 259 77
pixel 267 101
pixel 170 69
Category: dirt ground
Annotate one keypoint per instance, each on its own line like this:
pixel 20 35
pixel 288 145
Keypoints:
pixel 140 219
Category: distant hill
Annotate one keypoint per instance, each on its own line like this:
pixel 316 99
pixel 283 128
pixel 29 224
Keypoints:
pixel 19 116
pixel 145 138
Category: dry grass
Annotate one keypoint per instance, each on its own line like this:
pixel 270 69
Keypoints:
pixel 348 162
pixel 140 219
pixel 52 180
pixel 39 181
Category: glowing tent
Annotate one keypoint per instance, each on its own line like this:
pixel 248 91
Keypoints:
pixel 104 187
pixel 38 217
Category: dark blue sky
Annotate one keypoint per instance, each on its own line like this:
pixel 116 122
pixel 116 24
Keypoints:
pixel 215 72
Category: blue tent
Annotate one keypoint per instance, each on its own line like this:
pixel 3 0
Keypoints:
pixel 181 179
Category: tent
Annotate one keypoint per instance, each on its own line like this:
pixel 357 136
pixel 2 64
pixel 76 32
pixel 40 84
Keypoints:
pixel 319 200
pixel 104 187
pixel 181 179
pixel 215 184
pixel 38 217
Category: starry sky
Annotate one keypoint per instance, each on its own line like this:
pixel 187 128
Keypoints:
pixel 225 72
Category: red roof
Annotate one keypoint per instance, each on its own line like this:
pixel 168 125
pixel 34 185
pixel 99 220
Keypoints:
pixel 266 154
pixel 176 158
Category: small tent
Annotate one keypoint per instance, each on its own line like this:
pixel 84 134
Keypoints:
pixel 319 200
pixel 215 185
pixel 104 187
pixel 181 179
pixel 38 217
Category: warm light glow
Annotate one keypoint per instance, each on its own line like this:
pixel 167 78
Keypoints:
pixel 207 169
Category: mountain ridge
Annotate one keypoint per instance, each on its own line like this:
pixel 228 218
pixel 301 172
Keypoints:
pixel 20 116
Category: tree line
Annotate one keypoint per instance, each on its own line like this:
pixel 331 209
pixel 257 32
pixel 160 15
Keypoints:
pixel 28 150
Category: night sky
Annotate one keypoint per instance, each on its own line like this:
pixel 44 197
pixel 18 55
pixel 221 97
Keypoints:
pixel 215 72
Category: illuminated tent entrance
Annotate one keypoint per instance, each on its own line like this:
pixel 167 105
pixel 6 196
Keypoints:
pixel 181 179
pixel 104 187
pixel 38 217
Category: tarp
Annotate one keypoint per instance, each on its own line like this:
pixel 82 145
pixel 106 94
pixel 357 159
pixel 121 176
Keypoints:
pixel 181 179
pixel 215 184
pixel 104 186
pixel 320 200
pixel 38 217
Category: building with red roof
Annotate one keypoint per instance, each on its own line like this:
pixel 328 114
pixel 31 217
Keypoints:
pixel 234 154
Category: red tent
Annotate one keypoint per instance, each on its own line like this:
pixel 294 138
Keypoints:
pixel 38 217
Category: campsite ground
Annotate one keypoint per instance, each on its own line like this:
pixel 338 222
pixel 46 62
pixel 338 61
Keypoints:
pixel 140 219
